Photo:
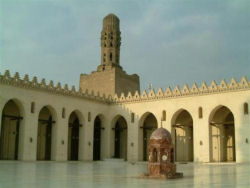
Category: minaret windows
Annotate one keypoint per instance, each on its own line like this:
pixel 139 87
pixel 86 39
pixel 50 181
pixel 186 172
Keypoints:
pixel 110 56
pixel 104 57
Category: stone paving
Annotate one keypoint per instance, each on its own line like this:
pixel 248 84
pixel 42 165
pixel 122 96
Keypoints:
pixel 117 174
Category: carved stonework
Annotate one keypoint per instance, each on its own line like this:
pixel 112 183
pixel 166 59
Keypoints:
pixel 161 156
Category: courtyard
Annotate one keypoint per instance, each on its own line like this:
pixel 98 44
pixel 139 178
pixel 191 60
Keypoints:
pixel 118 174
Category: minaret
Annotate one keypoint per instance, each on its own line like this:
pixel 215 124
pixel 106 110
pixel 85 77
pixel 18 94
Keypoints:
pixel 110 78
pixel 110 43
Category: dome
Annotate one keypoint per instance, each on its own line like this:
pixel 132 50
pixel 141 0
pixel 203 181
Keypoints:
pixel 161 134
pixel 111 16
pixel 111 21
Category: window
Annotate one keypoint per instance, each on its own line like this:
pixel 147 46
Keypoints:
pixel 32 108
pixel 172 156
pixel 163 115
pixel 245 108
pixel 89 117
pixel 132 117
pixel 110 56
pixel 111 45
pixel 63 113
pixel 155 155
pixel 200 112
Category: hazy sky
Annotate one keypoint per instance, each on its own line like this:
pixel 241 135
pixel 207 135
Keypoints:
pixel 166 42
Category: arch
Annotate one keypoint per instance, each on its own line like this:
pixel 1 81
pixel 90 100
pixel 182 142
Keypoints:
pixel 221 135
pixel 46 119
pixel 147 124
pixel 11 129
pixel 97 137
pixel 182 134
pixel 120 132
pixel 75 122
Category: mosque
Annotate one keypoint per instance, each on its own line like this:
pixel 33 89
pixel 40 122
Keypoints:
pixel 108 117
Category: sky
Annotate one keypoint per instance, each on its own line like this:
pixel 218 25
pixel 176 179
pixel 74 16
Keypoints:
pixel 165 42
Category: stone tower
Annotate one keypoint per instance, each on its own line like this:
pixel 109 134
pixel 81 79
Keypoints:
pixel 110 42
pixel 110 78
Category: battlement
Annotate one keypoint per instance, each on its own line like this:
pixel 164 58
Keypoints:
pixel 151 95
pixel 26 83
pixel 195 90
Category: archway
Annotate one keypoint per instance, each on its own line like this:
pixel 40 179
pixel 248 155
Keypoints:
pixel 120 138
pixel 44 136
pixel 73 137
pixel 222 135
pixel 97 139
pixel 11 119
pixel 182 132
pixel 149 124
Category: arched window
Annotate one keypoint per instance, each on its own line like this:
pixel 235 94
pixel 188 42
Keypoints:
pixel 89 117
pixel 63 113
pixel 110 56
pixel 163 115
pixel 200 112
pixel 32 108
pixel 172 156
pixel 132 117
pixel 111 45
pixel 155 155
pixel 245 108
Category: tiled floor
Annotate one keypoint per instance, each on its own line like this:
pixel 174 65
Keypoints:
pixel 117 174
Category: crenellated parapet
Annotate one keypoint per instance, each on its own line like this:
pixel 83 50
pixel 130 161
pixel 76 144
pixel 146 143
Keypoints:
pixel 52 88
pixel 194 90
pixel 151 95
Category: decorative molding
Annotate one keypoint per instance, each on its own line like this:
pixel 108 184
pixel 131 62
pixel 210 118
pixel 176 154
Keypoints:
pixel 25 83
pixel 203 89
pixel 195 90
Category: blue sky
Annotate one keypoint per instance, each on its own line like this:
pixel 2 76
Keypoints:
pixel 166 42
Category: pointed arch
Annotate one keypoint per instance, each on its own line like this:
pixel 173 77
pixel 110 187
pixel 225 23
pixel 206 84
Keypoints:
pixel 182 134
pixel 75 124
pixel 47 119
pixel 221 135
pixel 11 129
pixel 120 134
pixel 147 124
pixel 97 137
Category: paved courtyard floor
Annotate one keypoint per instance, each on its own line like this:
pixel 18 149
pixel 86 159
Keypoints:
pixel 117 174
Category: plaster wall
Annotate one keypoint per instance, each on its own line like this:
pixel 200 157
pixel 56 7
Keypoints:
pixel 27 149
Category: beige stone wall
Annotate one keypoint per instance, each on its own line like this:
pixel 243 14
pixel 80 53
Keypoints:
pixel 125 83
pixel 110 82
pixel 23 93
pixel 102 82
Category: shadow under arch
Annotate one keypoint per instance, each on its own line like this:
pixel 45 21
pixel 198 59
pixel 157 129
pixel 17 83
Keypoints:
pixel 47 121
pixel 12 130
pixel 221 135
pixel 119 137
pixel 75 126
pixel 182 134
pixel 147 124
